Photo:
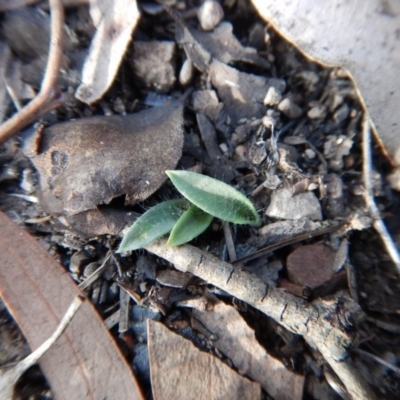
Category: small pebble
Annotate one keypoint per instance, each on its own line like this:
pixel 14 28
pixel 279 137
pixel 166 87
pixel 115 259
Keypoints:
pixel 273 97
pixel 240 153
pixel 224 148
pixel 119 106
pixel 341 113
pixel 311 77
pixel 186 73
pixel 210 14
pixel 269 121
pixel 310 153
pixel 336 102
pixel 290 109
pixel 304 205
pixel 317 112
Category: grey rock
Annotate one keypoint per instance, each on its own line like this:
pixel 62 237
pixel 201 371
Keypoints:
pixel 289 108
pixel 273 97
pixel 210 14
pixel 304 205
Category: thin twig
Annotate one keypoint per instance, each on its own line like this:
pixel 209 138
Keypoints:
pixel 229 241
pixel 369 195
pixel 287 242
pixel 9 377
pixel 46 100
pixel 96 274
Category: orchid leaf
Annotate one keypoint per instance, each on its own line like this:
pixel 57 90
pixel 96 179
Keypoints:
pixel 215 197
pixel 153 224
pixel 191 224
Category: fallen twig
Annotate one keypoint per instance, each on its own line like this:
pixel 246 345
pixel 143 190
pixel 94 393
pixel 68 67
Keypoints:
pixel 10 376
pixel 47 98
pixel 369 195
pixel 321 323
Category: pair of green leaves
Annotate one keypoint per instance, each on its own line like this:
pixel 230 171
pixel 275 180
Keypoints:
pixel 209 197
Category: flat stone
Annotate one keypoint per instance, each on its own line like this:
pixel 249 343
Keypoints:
pixel 304 205
pixel 289 108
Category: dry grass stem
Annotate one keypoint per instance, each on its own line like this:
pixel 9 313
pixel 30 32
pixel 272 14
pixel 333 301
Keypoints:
pixel 379 225
pixel 9 377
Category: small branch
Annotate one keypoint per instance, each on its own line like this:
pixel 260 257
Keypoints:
pixel 47 98
pixel 369 195
pixel 314 321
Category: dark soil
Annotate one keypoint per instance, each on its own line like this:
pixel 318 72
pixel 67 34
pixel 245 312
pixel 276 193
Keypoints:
pixel 318 155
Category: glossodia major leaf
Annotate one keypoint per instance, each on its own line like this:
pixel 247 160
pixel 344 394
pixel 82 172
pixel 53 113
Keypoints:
pixel 191 224
pixel 215 197
pixel 153 224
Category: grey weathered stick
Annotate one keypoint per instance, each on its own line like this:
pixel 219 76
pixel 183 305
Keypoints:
pixel 317 322
pixel 379 225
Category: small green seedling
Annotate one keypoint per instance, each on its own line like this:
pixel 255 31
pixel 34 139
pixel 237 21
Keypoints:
pixel 209 197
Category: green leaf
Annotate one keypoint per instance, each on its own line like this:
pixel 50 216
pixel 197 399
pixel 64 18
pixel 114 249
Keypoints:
pixel 215 197
pixel 153 224
pixel 192 222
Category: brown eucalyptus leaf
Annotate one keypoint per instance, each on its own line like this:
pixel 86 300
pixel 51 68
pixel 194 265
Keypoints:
pixel 85 363
pixel 90 161
pixel 359 36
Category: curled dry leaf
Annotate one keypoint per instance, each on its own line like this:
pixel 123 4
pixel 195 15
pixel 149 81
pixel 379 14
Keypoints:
pixel 115 22
pixel 202 47
pixel 242 93
pixel 90 161
pixel 361 37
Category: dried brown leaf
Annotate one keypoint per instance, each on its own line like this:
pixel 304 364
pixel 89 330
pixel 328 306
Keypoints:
pixel 184 372
pixel 242 94
pixel 90 161
pixel 85 363
pixel 115 22
pixel 238 342
pixel 221 44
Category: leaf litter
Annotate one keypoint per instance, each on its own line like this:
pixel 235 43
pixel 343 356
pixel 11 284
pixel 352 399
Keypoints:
pixel 272 88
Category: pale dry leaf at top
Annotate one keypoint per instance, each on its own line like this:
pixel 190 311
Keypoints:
pixel 115 22
pixel 237 341
pixel 180 371
pixel 90 161
pixel 361 36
